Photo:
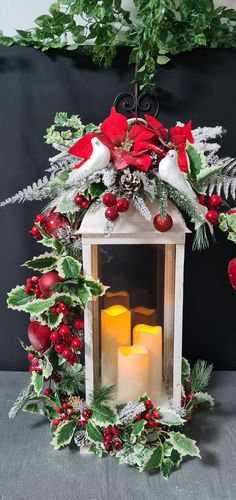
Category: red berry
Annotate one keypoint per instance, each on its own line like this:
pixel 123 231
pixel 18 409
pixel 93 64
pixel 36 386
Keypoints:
pixel 68 339
pixel 67 353
pixel 62 416
pixel 69 412
pixel 64 330
pixel 111 213
pixel 35 232
pixel 81 422
pixel 42 296
pixel 38 370
pixel 37 291
pixel 122 205
pixel 62 306
pixel 54 336
pixel 76 343
pixel 59 409
pixel 156 414
pixel 34 279
pixel 232 272
pixel 109 199
pixel 189 396
pixel 39 218
pixel 78 324
pixel 78 200
pixel 161 224
pixel 29 282
pixel 65 405
pixel 35 362
pixel 115 431
pixel 147 417
pixel 202 199
pixel 107 431
pixel 84 204
pixel 74 358
pixel 215 201
pixel 148 404
pixel 55 422
pixel 152 424
pixel 31 369
pixel 53 310
pixel 48 391
pixel 27 289
pixel 212 217
pixel 86 413
pixel 59 347
pixel 183 399
pixel 30 356
pixel 138 416
pixel 117 444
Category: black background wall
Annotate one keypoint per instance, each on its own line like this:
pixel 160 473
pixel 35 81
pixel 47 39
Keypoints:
pixel 33 87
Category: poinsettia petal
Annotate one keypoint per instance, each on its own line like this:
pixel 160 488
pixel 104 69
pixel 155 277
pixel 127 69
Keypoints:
pixel 182 161
pixel 188 131
pixel 115 127
pixel 157 127
pixel 141 147
pixel 142 162
pixel 120 159
pixel 140 133
pixel 83 147
pixel 123 158
pixel 79 164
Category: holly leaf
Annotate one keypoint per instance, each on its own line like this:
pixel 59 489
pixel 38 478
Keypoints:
pixel 68 267
pixel 184 445
pixel 155 459
pixel 37 382
pixel 170 418
pixel 96 189
pixel 138 427
pixel 82 294
pixel 186 369
pixel 203 398
pixel 44 262
pixel 32 408
pixel 103 415
pixel 49 319
pixel 47 367
pixel 17 298
pixel 196 161
pixel 64 434
pixel 166 467
pixel 93 433
pixel 95 287
pixel 38 306
pixel 208 172
pixel 96 450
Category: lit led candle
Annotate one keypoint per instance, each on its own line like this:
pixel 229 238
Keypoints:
pixel 132 377
pixel 151 338
pixel 143 315
pixel 115 332
pixel 113 298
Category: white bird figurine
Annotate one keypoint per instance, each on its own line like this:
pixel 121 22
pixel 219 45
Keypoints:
pixel 170 172
pixel 98 160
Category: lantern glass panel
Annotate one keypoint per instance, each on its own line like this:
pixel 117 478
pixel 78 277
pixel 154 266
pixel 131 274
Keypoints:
pixel 134 320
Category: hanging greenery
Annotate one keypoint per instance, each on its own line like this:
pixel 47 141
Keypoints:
pixel 160 28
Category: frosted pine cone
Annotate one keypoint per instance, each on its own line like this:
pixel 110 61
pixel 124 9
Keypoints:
pixel 130 183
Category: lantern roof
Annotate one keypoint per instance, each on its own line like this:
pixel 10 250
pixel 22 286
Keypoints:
pixel 131 227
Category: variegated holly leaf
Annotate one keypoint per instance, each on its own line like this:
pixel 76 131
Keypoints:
pixel 93 433
pixel 18 299
pixel 64 434
pixel 184 445
pixel 203 398
pixel 44 262
pixel 37 382
pixel 68 267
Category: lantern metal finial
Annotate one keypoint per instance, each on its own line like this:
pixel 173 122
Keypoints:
pixel 127 103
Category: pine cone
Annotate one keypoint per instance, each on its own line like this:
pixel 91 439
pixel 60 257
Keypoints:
pixel 130 183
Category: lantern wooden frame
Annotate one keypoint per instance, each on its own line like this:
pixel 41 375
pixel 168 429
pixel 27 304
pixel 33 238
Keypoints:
pixel 134 229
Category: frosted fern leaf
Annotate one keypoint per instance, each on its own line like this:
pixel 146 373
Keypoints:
pixel 38 191
pixel 129 411
pixel 141 207
pixel 223 183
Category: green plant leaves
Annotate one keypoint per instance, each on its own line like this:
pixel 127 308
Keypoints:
pixel 170 418
pixel 64 434
pixel 37 382
pixel 186 370
pixel 73 379
pixel 69 268
pixel 103 415
pixel 196 161
pixel 184 445
pixel 32 408
pixel 17 298
pixel 154 460
pixel 93 432
pixel 138 427
pixel 44 262
pixel 203 398
pixel 38 306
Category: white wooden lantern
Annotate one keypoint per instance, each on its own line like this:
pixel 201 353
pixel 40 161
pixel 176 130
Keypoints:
pixel 121 263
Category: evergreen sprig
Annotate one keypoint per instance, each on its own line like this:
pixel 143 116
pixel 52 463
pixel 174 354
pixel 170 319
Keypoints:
pixel 102 395
pixel 200 375
pixel 21 401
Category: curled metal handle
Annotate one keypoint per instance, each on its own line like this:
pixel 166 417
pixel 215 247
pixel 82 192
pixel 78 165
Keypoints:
pixel 126 103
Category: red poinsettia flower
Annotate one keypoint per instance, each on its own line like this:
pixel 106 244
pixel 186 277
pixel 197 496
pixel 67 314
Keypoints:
pixel 179 136
pixel 127 146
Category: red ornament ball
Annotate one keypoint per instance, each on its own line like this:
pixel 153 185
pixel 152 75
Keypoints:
pixel 232 272
pixel 47 281
pixel 54 221
pixel 109 199
pixel 161 224
pixel 39 336
pixel 212 217
pixel 215 201
pixel 111 213
pixel 122 205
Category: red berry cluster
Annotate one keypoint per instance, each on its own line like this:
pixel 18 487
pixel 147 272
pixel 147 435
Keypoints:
pixel 81 201
pixel 34 229
pixel 34 363
pixel 31 285
pixel 111 439
pixel 64 341
pixel 85 416
pixel 65 412
pixel 213 203
pixel 150 415
pixel 58 308
pixel 114 206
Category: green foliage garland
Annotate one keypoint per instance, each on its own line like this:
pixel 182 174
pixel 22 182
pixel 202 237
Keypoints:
pixel 160 28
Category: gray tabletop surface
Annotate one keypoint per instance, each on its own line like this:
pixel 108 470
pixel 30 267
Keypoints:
pixel 31 470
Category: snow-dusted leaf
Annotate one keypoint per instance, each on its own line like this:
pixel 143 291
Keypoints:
pixel 184 445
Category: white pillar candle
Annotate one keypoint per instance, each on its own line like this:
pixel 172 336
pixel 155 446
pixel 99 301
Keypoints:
pixel 151 338
pixel 113 298
pixel 132 377
pixel 115 332
pixel 143 315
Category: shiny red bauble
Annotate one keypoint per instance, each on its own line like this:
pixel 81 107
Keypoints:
pixel 122 205
pixel 215 201
pixel 232 272
pixel 52 222
pixel 39 336
pixel 111 213
pixel 161 224
pixel 47 281
pixel 212 217
pixel 109 199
